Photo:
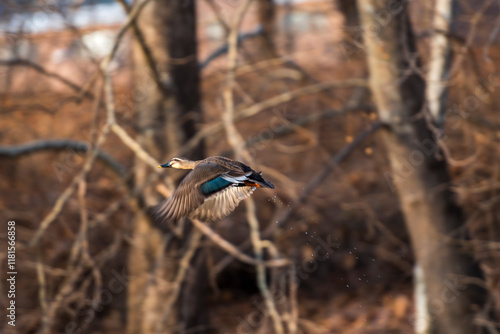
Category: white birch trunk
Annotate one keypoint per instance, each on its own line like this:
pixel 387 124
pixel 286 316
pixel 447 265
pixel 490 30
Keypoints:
pixel 438 74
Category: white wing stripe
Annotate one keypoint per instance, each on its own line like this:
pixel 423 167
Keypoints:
pixel 235 179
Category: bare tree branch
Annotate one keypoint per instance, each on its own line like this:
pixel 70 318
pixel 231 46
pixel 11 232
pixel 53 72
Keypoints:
pixel 233 250
pixel 62 145
pixel 270 103
pixel 225 48
pixel 42 70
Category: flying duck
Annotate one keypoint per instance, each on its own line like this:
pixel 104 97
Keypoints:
pixel 213 188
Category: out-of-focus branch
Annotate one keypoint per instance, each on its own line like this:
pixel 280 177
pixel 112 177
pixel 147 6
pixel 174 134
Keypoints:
pixel 225 48
pixel 42 70
pixel 233 250
pixel 270 103
pixel 62 145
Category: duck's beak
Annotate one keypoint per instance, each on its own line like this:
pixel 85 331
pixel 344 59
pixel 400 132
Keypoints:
pixel 167 165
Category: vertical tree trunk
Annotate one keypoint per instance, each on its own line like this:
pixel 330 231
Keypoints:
pixel 351 18
pixel 184 71
pixel 440 60
pixel 419 172
pixel 185 74
pixel 353 38
pixel 168 112
pixel 267 12
pixel 143 292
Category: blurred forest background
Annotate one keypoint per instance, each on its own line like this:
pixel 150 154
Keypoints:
pixel 377 121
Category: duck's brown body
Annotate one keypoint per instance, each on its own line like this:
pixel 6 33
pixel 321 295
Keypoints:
pixel 213 189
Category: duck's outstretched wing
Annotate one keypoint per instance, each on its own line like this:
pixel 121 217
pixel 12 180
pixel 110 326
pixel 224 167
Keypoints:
pixel 182 202
pixel 200 184
pixel 222 203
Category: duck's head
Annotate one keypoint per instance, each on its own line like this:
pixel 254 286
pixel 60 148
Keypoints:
pixel 179 163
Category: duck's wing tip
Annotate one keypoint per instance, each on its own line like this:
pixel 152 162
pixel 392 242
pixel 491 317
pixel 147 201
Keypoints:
pixel 258 179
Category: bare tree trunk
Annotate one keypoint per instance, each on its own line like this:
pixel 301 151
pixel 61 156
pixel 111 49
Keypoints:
pixel 436 95
pixel 185 74
pixel 144 293
pixel 183 49
pixel 167 99
pixel 353 38
pixel 419 172
pixel 267 12
pixel 440 60
pixel 351 18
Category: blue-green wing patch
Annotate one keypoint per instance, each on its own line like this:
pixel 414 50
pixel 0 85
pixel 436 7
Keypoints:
pixel 214 185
